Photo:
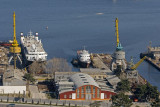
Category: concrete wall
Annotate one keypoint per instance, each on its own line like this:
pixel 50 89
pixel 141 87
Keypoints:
pixel 12 89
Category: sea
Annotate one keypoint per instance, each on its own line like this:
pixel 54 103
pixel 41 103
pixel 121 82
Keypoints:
pixel 73 24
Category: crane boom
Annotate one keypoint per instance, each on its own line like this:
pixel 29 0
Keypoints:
pixel 15 43
pixel 138 63
pixel 117 32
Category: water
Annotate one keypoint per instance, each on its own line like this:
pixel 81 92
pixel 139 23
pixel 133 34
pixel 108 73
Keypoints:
pixel 73 24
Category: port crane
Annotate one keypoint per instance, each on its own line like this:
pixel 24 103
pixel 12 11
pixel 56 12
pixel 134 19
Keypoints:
pixel 131 70
pixel 119 46
pixel 119 55
pixel 15 49
pixel 138 63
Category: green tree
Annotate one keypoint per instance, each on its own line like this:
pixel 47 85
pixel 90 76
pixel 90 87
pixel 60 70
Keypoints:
pixel 121 100
pixel 118 70
pixel 29 77
pixel 123 86
pixel 147 92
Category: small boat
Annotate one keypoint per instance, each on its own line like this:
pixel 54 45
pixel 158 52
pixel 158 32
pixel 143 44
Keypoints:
pixel 83 57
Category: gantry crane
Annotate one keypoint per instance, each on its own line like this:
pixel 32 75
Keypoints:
pixel 15 49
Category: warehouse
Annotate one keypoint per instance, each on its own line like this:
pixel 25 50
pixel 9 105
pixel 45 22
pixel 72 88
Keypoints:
pixel 81 86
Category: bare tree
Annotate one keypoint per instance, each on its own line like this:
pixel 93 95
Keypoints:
pixel 37 67
pixel 57 65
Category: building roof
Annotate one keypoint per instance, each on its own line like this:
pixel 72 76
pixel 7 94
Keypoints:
pixel 81 79
pixel 13 77
pixel 113 80
pixel 94 70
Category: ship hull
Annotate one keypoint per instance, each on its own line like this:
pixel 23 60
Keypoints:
pixel 84 64
pixel 25 62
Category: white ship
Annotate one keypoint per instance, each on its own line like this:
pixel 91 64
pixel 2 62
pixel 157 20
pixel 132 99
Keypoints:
pixel 83 57
pixel 32 48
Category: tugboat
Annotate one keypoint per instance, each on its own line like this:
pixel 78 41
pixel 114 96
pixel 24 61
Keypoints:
pixel 83 58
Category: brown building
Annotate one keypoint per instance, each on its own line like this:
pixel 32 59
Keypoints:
pixel 81 86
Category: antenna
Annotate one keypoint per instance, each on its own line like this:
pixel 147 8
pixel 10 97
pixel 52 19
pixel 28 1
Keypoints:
pixel 84 47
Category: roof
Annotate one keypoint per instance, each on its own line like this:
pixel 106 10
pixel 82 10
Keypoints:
pixel 94 71
pixel 13 77
pixel 81 79
pixel 113 80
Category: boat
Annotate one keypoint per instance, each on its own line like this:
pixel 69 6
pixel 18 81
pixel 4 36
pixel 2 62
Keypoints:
pixel 5 44
pixel 32 48
pixel 83 57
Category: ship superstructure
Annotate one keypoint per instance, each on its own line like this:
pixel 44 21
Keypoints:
pixel 32 48
pixel 83 57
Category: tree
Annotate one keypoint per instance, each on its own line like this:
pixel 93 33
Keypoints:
pixel 57 65
pixel 121 99
pixel 37 67
pixel 123 86
pixel 29 77
pixel 147 92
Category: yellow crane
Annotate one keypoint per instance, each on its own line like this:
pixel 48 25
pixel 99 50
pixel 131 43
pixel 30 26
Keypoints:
pixel 117 32
pixel 138 63
pixel 119 46
pixel 15 48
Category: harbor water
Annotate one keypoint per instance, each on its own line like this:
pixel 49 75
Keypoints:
pixel 65 26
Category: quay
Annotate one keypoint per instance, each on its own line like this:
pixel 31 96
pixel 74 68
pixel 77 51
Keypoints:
pixel 153 56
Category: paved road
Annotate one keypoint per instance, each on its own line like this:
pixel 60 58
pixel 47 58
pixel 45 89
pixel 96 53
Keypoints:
pixel 22 105
pixel 52 101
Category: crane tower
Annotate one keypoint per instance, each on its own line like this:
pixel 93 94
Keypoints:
pixel 119 54
pixel 15 49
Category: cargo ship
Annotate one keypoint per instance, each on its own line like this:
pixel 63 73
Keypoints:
pixel 32 48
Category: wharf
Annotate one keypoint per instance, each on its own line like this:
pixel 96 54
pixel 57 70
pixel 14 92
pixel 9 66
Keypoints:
pixel 154 61
pixel 103 61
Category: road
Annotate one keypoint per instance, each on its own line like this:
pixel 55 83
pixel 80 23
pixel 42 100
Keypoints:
pixel 22 105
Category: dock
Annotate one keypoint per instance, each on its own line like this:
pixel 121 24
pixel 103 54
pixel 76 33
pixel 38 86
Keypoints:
pixel 154 61
pixel 103 61
pixel 153 56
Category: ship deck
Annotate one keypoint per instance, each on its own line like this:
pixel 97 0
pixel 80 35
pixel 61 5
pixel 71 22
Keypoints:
pixel 32 45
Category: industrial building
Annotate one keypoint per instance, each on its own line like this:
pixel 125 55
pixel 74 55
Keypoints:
pixel 81 86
